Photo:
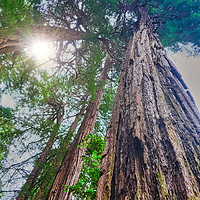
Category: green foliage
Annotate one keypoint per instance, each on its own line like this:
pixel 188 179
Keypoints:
pixel 107 101
pixel 15 14
pixel 7 131
pixel 16 77
pixel 99 16
pixel 105 108
pixel 87 66
pixel 88 179
pixel 181 21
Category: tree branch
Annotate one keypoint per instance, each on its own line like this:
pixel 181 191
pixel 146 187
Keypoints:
pixel 22 38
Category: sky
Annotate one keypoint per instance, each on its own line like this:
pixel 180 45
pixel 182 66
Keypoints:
pixel 7 101
pixel 189 67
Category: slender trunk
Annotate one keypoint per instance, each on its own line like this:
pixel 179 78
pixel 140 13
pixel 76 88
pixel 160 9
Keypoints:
pixel 25 192
pixel 31 181
pixel 152 149
pixel 59 156
pixel 17 41
pixel 65 144
pixel 71 165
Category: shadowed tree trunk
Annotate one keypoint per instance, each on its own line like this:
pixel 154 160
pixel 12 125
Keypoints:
pixel 70 169
pixel 152 149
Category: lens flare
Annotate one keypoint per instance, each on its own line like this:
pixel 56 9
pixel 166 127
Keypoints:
pixel 40 49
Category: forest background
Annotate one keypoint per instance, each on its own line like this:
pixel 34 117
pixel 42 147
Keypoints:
pixel 49 95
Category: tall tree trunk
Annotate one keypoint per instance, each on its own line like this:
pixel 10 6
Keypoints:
pixel 71 165
pixel 152 149
pixel 59 156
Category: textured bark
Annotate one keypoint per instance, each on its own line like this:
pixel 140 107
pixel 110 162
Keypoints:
pixel 152 149
pixel 71 165
pixel 58 157
pixel 20 39
pixel 65 145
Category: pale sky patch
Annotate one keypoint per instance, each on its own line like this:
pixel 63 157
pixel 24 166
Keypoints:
pixel 7 101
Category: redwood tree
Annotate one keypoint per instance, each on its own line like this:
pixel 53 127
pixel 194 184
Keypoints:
pixel 152 149
pixel 70 168
pixel 57 160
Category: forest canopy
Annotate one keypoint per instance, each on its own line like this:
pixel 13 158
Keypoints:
pixel 56 94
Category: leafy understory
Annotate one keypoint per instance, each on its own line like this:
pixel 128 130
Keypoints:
pixel 88 178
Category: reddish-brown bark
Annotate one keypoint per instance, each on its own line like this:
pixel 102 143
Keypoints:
pixel 152 149
pixel 69 171
pixel 58 157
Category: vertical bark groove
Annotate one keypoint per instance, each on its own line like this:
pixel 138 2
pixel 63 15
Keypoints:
pixel 71 165
pixel 152 150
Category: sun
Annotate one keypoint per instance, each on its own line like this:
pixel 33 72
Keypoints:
pixel 40 49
